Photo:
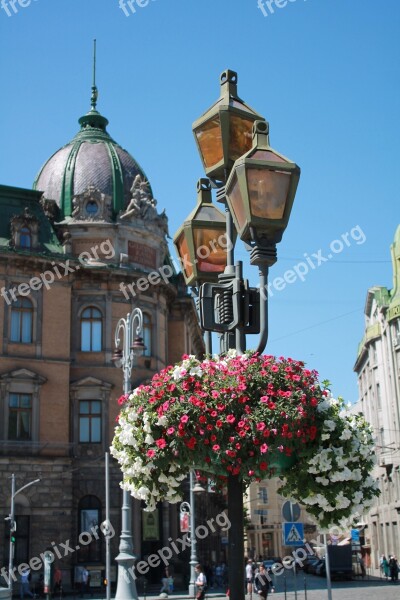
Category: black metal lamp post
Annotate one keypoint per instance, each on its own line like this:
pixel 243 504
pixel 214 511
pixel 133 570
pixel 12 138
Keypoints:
pixel 257 186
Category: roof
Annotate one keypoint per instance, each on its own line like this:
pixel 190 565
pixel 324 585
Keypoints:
pixel 13 202
pixel 91 158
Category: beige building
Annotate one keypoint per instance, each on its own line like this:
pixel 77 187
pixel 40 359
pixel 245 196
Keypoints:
pixel 77 253
pixel 378 371
pixel 266 511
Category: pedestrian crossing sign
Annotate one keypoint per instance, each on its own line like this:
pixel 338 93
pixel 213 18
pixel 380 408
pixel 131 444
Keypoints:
pixel 293 534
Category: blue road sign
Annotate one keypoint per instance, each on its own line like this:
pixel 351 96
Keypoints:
pixel 293 534
pixel 355 536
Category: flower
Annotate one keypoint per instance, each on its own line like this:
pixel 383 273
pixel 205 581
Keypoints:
pixel 216 415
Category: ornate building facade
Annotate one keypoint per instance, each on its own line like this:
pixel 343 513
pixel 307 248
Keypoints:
pixel 378 371
pixel 78 252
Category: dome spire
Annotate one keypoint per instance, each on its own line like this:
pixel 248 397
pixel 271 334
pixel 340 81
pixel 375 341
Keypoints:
pixel 95 93
pixel 93 119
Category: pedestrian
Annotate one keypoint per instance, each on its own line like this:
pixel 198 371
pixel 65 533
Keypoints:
pixel 362 565
pixel 201 582
pixel 25 588
pixel 165 582
pixel 384 566
pixel 249 577
pixel 57 581
pixel 85 581
pixel 393 568
pixel 262 582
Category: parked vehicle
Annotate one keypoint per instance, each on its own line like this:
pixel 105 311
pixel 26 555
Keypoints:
pixel 313 566
pixel 309 561
pixel 270 562
pixel 340 561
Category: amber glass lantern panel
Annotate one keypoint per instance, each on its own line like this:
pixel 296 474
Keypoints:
pixel 241 136
pixel 184 255
pixel 210 248
pixel 267 155
pixel 236 201
pixel 268 192
pixel 210 141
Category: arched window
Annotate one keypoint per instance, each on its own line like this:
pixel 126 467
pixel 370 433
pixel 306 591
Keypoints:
pixel 25 237
pixel 91 330
pixel 21 321
pixel 89 524
pixel 147 330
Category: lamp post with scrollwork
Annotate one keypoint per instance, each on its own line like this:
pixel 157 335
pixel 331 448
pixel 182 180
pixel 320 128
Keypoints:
pixel 128 345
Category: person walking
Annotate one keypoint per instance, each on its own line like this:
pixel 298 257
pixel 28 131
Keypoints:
pixel 57 581
pixel 384 565
pixel 25 588
pixel 393 569
pixel 249 577
pixel 200 582
pixel 262 582
pixel 85 581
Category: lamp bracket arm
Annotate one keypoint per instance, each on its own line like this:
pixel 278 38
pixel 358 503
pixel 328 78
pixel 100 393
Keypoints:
pixel 263 275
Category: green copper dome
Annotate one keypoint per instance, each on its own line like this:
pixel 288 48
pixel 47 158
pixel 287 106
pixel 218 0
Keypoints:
pixel 91 158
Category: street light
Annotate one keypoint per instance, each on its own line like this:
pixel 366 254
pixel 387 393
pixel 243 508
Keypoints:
pixel 127 329
pixel 257 185
pixel 13 528
pixel 189 508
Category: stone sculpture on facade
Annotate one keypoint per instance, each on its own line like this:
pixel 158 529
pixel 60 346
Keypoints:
pixel 143 206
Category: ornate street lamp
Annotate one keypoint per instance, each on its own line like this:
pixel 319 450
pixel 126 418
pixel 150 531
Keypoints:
pixel 257 185
pixel 129 330
pixel 260 190
pixel 201 241
pixel 189 508
pixel 223 132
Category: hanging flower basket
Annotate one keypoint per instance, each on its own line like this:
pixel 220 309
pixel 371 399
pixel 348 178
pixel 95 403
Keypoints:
pixel 250 416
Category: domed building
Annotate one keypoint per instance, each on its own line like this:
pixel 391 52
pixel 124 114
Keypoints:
pixel 82 249
pixel 91 159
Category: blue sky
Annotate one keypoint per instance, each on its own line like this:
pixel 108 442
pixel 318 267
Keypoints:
pixel 324 73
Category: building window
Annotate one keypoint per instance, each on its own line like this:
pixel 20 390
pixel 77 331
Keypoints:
pixel 89 520
pixel 263 495
pixel 396 332
pixel 21 321
pixel 90 421
pixel 378 396
pixel 25 237
pixel 147 328
pixel 91 330
pixel 20 417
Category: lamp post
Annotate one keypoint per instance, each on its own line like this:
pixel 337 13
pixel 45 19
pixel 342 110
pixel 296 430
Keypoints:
pixel 257 185
pixel 13 527
pixel 190 507
pixel 129 330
